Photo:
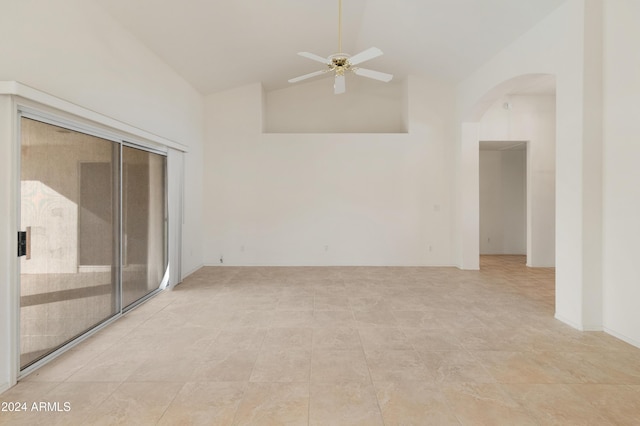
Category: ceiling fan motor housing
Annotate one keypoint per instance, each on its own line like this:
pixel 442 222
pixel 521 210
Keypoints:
pixel 339 63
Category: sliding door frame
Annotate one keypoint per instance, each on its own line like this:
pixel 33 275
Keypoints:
pixel 165 275
pixel 15 97
pixel 121 140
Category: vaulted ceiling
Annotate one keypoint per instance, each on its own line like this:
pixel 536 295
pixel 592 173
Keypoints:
pixel 216 45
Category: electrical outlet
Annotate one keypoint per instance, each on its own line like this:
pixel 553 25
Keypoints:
pixel 221 259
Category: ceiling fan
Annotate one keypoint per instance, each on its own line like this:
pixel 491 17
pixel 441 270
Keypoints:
pixel 341 63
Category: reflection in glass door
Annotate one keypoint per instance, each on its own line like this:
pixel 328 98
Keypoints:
pixel 144 220
pixel 95 216
pixel 69 203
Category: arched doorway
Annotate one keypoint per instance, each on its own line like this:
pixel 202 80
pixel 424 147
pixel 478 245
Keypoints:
pixel 529 116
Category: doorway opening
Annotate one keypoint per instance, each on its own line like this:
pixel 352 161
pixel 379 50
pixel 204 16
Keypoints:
pixel 519 113
pixel 503 198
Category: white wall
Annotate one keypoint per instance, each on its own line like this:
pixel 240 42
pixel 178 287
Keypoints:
pixel 621 169
pixel 328 199
pixel 555 46
pixel 531 118
pixel 503 202
pixel 368 106
pixel 591 46
pixel 73 50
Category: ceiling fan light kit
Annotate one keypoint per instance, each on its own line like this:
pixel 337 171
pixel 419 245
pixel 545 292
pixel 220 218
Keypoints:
pixel 341 63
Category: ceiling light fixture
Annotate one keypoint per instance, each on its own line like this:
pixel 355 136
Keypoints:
pixel 341 63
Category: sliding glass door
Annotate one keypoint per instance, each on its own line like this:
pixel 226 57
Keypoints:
pixel 69 210
pixel 93 216
pixel 144 223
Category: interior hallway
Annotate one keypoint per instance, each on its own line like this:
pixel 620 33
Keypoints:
pixel 343 345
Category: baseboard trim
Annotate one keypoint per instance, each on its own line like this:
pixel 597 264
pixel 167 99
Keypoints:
pixel 193 271
pixel 624 338
pixel 627 339
pixel 4 387
pixel 581 327
pixel 592 328
pixel 568 322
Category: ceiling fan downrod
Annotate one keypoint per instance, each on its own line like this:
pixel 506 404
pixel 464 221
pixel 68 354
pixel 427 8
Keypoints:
pixel 339 26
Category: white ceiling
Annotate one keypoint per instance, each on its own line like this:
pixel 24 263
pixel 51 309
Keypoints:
pixel 217 45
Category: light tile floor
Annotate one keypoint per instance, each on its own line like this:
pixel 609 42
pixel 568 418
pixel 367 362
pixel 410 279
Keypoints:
pixel 343 345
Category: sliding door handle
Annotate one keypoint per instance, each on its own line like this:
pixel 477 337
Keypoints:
pixel 24 243
pixel 28 253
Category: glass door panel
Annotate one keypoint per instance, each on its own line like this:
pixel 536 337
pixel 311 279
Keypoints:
pixel 69 203
pixel 144 223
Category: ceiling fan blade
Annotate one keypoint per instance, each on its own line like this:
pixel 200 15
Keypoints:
pixel 339 86
pixel 365 55
pixel 376 75
pixel 314 57
pixel 304 77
